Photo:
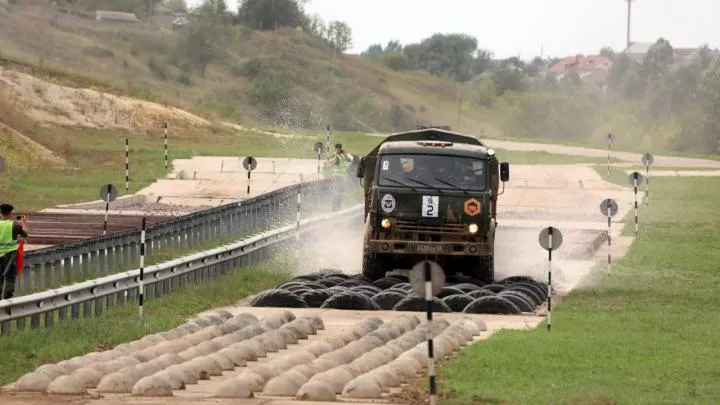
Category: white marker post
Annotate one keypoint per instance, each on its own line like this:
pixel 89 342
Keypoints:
pixel 609 140
pixel 141 286
pixel 550 239
pixel 127 164
pixel 648 159
pixel 609 208
pixel 108 193
pixel 249 164
pixel 299 209
pixel 636 179
pixel 165 130
pixel 427 279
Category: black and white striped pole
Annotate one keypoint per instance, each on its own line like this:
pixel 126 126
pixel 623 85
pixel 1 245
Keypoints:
pixel 299 209
pixel 165 130
pixel 319 148
pixel 141 280
pixel 550 239
pixel 249 163
pixel 609 141
pixel 427 278
pixel 327 137
pixel 636 179
pixel 648 159
pixel 108 193
pixel 127 164
pixel 609 208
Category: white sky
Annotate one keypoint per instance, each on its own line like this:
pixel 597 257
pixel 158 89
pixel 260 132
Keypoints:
pixel 524 27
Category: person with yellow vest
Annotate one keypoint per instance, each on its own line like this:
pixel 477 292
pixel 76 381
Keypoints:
pixel 10 232
pixel 339 166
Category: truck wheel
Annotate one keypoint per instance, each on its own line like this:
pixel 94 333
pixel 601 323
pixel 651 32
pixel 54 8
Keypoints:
pixel 485 270
pixel 372 267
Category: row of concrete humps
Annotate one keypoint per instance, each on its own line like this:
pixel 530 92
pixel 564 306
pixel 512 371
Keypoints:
pixel 362 361
pixel 331 288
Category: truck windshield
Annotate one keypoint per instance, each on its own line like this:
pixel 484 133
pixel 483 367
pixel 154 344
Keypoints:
pixel 439 172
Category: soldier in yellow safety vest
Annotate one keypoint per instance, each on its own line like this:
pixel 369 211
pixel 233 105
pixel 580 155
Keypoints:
pixel 10 231
pixel 339 165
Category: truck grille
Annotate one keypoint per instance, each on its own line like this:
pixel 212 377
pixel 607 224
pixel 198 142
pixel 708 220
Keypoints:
pixel 429 229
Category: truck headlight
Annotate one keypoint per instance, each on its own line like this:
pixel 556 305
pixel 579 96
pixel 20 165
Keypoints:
pixel 473 228
pixel 385 223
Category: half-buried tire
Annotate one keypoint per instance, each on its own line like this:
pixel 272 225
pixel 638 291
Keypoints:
pixel 496 288
pixel 350 300
pixel 480 293
pixel 457 302
pixel 522 301
pixel 386 282
pixel 492 305
pixel 447 291
pixel 315 298
pixel 386 300
pixel 534 292
pixel 415 303
pixel 278 298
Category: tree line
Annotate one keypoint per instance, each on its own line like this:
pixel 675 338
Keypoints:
pixel 669 100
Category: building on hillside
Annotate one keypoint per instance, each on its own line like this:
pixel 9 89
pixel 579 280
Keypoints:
pixel 593 70
pixel 638 50
pixel 115 18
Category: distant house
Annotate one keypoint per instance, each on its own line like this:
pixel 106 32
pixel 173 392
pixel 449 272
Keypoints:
pixel 115 17
pixel 638 50
pixel 581 64
pixel 593 70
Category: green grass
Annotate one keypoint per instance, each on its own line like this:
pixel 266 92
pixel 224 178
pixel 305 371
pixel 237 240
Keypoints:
pixel 22 352
pixel 644 335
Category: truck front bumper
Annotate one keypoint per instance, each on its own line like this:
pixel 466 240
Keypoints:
pixel 428 248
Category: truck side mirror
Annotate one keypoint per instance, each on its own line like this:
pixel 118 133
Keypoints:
pixel 361 168
pixel 504 171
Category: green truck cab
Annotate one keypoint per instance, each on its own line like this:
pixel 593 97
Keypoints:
pixel 431 194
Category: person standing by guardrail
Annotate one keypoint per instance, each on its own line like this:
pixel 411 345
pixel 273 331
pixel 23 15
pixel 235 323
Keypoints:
pixel 11 233
pixel 339 165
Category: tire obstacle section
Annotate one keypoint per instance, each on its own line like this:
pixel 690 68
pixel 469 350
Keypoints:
pixel 365 360
pixel 333 289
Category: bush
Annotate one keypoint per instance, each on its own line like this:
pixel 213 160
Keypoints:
pixel 98 52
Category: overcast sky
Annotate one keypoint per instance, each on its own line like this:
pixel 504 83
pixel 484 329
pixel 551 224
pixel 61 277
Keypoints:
pixel 525 27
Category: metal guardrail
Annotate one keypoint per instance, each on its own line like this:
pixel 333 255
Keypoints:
pixel 91 298
pixel 47 267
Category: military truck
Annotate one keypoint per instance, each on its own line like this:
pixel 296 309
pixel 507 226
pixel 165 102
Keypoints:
pixel 431 194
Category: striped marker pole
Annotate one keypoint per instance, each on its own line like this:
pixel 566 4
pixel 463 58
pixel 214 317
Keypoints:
pixel 431 350
pixel 635 186
pixel 127 164
pixel 141 287
pixel 165 129
pixel 107 208
pixel 609 139
pixel 609 218
pixel 549 291
pixel 550 239
pixel 299 209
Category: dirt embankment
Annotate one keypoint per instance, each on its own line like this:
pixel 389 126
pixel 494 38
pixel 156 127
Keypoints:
pixel 49 103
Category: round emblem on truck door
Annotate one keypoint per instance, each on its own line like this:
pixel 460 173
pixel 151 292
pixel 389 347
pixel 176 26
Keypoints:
pixel 387 203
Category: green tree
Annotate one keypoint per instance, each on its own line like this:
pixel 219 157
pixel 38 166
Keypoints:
pixel 176 6
pixel 339 35
pixel 205 39
pixel 270 14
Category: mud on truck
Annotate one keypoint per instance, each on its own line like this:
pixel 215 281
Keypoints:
pixel 431 194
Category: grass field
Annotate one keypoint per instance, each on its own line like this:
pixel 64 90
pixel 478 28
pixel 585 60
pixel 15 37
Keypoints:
pixel 644 335
pixel 22 352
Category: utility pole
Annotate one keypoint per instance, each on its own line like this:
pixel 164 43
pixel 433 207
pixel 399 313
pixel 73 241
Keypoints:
pixel 629 14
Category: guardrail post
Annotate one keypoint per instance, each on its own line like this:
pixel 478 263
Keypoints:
pixel 37 275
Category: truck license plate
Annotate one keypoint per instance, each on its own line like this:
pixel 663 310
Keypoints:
pixel 429 248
